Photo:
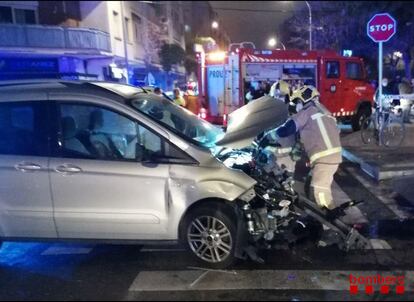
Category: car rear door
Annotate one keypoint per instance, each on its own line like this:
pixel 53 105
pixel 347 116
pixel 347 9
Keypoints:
pixel 26 208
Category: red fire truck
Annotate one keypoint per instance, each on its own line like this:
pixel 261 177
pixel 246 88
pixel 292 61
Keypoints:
pixel 225 79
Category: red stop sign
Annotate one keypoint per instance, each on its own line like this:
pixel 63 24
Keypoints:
pixel 381 27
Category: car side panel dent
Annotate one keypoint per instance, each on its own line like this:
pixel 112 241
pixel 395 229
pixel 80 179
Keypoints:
pixel 188 190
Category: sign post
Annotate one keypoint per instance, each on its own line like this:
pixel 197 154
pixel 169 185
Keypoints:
pixel 380 56
pixel 380 29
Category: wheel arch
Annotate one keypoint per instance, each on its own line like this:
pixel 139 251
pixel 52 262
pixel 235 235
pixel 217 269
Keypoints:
pixel 363 104
pixel 228 207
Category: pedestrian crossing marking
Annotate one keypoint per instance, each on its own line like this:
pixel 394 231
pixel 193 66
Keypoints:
pixel 183 280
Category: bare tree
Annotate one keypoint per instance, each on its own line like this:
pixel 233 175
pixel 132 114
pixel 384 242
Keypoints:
pixel 342 25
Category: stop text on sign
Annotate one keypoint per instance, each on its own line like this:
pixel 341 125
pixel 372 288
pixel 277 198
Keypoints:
pixel 381 27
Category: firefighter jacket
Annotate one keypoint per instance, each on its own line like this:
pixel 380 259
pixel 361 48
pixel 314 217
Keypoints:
pixel 318 132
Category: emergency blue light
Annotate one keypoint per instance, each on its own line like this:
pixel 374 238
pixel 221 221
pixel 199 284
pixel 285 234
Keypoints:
pixel 347 53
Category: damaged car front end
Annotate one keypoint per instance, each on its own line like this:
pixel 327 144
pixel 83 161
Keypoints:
pixel 238 197
pixel 277 216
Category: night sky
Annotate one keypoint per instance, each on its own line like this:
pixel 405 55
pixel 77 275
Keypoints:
pixel 255 26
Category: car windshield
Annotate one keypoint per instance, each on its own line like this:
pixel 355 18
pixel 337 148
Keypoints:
pixel 179 120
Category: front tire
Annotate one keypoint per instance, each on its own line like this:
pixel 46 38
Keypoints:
pixel 210 234
pixel 393 134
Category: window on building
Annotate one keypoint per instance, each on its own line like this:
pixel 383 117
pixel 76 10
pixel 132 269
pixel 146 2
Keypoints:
pixel 25 16
pixel 117 26
pixel 178 26
pixel 128 30
pixel 137 28
pixel 6 15
pixel 354 71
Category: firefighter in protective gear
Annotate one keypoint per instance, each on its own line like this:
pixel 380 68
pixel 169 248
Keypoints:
pixel 280 89
pixel 283 148
pixel 319 135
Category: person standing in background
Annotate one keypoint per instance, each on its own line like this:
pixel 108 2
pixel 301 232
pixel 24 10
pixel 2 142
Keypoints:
pixel 405 88
pixel 178 99
pixel 157 91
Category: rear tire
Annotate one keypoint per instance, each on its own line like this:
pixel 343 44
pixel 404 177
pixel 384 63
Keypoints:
pixel 393 134
pixel 210 234
pixel 358 119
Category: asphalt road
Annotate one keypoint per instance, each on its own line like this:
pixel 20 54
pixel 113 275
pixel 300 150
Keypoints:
pixel 55 271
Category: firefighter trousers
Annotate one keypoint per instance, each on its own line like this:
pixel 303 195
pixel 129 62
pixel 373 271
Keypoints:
pixel 322 180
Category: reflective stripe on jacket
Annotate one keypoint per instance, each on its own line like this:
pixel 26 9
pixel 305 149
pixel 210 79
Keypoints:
pixel 319 134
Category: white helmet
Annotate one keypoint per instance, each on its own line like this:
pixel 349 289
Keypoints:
pixel 279 88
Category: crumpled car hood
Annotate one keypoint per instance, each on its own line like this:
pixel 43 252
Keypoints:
pixel 247 122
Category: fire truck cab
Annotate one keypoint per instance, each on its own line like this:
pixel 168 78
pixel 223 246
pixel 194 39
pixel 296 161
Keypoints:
pixel 226 78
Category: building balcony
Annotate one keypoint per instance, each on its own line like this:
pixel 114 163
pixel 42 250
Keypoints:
pixel 54 38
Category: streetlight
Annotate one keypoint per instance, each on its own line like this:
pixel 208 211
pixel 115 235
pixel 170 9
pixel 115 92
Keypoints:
pixel 214 25
pixel 272 43
pixel 310 25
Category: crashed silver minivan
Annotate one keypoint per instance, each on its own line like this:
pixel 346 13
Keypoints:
pixel 110 162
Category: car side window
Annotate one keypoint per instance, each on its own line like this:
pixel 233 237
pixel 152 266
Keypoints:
pixel 94 132
pixel 354 71
pixel 332 69
pixel 23 128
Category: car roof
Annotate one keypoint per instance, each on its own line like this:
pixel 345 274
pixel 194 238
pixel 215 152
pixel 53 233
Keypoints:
pixel 17 86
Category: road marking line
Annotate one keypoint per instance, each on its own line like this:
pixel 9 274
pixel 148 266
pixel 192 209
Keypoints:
pixel 380 244
pixel 378 193
pixel 184 280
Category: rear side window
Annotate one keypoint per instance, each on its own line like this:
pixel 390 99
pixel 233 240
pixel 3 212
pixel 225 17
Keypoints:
pixel 94 132
pixel 23 128
pixel 332 69
pixel 354 71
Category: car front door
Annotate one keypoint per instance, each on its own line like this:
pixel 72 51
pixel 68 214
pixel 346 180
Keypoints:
pixel 26 208
pixel 102 183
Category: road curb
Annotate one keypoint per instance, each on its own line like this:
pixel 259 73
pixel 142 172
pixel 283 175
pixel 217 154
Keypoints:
pixel 374 170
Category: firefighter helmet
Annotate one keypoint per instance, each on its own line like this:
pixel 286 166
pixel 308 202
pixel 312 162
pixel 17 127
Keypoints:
pixel 302 96
pixel 280 88
pixel 305 94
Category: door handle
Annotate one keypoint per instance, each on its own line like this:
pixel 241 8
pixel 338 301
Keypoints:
pixel 68 169
pixel 27 167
